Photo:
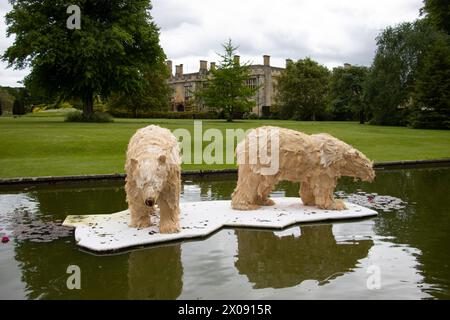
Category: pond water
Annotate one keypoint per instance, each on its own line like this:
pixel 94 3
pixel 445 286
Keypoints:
pixel 406 247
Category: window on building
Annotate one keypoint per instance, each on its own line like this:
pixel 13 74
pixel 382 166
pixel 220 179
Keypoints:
pixel 188 92
pixel 252 83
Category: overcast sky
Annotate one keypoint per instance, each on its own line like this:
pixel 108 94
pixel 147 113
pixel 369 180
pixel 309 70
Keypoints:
pixel 329 31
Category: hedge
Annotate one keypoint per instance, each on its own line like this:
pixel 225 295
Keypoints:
pixel 164 114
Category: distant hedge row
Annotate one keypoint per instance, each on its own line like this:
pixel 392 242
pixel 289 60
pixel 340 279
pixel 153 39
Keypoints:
pixel 165 114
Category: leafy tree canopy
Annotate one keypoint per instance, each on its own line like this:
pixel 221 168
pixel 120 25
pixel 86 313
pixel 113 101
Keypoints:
pixel 346 92
pixel 118 43
pixel 303 90
pixel 438 12
pixel 391 80
pixel 432 88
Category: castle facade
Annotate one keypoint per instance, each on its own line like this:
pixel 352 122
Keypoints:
pixel 184 85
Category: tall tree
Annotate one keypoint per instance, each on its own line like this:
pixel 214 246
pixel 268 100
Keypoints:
pixel 438 13
pixel 111 52
pixel 390 82
pixel 432 88
pixel 226 90
pixel 303 90
pixel 346 93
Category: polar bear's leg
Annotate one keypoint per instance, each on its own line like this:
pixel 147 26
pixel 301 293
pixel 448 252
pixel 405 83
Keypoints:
pixel 245 195
pixel 322 196
pixel 140 214
pixel 323 193
pixel 169 215
pixel 264 189
pixel 307 194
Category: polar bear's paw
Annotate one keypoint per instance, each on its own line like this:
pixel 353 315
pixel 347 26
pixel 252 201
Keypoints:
pixel 268 202
pixel 141 223
pixel 169 228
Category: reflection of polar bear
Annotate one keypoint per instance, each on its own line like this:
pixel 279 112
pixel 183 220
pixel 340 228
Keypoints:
pixel 155 273
pixel 153 177
pixel 316 161
pixel 270 261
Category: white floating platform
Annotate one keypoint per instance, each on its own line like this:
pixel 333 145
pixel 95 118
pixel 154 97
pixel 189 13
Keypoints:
pixel 109 232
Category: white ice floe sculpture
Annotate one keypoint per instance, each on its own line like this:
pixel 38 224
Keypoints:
pixel 110 232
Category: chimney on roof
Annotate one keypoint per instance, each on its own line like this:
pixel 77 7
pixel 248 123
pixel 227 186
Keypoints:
pixel 203 66
pixel 237 59
pixel 288 62
pixel 212 66
pixel 266 60
pixel 179 71
pixel 169 66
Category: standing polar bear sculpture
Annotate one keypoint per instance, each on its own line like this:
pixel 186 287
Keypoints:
pixel 316 161
pixel 153 177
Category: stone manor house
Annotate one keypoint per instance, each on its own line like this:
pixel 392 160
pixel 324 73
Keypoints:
pixel 184 84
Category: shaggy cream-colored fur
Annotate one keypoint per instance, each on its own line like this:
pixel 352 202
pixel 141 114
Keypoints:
pixel 316 161
pixel 153 178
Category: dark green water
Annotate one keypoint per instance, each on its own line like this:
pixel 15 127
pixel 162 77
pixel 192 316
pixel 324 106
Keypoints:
pixel 409 247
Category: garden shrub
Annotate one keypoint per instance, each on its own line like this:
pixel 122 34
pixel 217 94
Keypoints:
pixel 78 116
pixel 164 114
pixel 265 112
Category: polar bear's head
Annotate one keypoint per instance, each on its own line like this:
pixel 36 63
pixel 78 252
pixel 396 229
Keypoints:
pixel 358 165
pixel 150 176
pixel 343 159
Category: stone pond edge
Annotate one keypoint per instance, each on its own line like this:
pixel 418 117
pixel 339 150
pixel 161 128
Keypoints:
pixel 120 176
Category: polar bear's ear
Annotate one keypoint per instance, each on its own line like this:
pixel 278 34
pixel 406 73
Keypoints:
pixel 352 153
pixel 162 159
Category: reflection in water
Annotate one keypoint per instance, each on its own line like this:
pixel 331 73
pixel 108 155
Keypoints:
pixel 37 215
pixel 156 273
pixel 44 272
pixel 270 261
pixel 410 244
pixel 204 188
pixel 77 198
pixel 425 224
pixel 22 221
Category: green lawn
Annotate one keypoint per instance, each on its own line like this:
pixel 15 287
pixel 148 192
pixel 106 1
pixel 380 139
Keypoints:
pixel 42 146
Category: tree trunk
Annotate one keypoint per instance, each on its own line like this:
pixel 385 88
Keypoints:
pixel 362 116
pixel 230 115
pixel 88 104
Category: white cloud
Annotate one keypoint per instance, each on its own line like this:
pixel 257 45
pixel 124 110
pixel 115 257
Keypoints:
pixel 332 32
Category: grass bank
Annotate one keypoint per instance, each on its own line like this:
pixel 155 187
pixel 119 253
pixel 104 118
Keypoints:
pixel 43 146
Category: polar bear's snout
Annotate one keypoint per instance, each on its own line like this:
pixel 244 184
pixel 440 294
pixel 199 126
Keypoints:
pixel 150 202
